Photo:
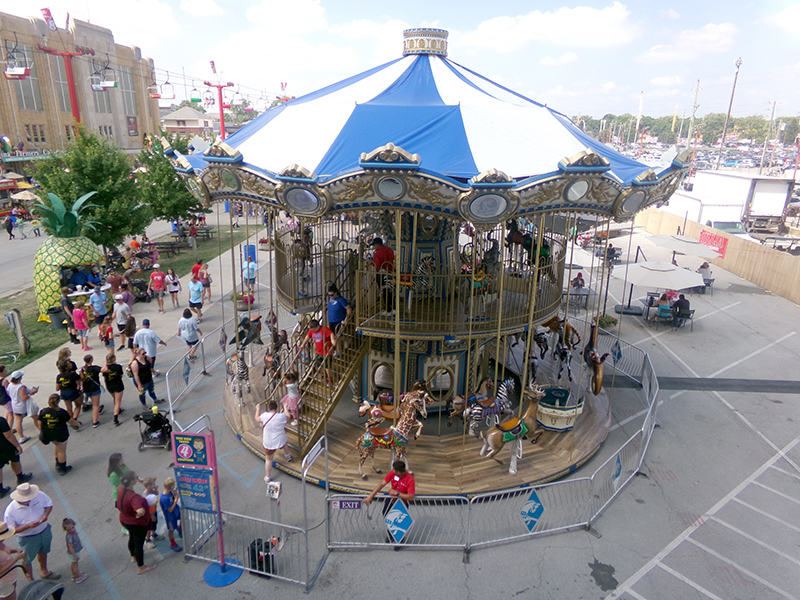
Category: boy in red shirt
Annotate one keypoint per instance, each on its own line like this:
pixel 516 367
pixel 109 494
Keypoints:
pixel 156 285
pixel 324 345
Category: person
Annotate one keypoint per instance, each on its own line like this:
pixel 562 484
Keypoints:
pixel 74 547
pixel 173 287
pixel 339 311
pixel 22 403
pixel 105 333
pixel 324 345
pixel 383 261
pixel 192 234
pixel 127 295
pixel 135 246
pixel 130 331
pixel 79 280
pixel 662 301
pixel 5 400
pixel 81 319
pixel 148 339
pixel 134 516
pixel 112 373
pixel 273 438
pixel 197 266
pixel 249 271
pixel 204 277
pixel 115 280
pixel 98 301
pixel 151 495
pixel 8 558
pixel 27 514
pixel 116 469
pixel 196 297
pixel 10 450
pixel 402 486
pixel 578 283
pixel 67 307
pixel 90 376
pixel 143 376
pixel 9 225
pixel 611 254
pixel 54 420
pixel 672 296
pixel 121 313
pixel 94 278
pixel 681 306
pixel 705 270
pixel 156 286
pixel 188 331
pixel 68 384
pixel 171 509
pixel 291 401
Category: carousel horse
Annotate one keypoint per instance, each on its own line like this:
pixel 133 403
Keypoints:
pixel 539 338
pixel 376 225
pixel 593 359
pixel 378 413
pixel 565 331
pixel 459 404
pixel 237 372
pixel 249 332
pixel 515 237
pixel 396 437
pixel 418 284
pixel 490 410
pixel 564 355
pixel 514 430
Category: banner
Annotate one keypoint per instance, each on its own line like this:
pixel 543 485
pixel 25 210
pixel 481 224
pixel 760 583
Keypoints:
pixel 48 18
pixel 716 242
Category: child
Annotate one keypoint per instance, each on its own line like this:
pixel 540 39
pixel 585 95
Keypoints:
pixel 291 401
pixel 172 512
pixel 81 320
pixel 74 548
pixel 151 495
pixel 106 334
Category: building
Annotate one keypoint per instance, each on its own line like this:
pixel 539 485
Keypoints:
pixel 187 122
pixel 108 91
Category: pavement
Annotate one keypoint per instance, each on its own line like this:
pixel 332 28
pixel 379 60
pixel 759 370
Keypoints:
pixel 714 514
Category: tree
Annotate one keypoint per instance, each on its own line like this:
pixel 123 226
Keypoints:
pixel 161 188
pixel 94 164
pixel 198 106
pixel 237 114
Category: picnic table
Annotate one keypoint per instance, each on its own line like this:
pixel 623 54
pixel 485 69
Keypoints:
pixel 168 248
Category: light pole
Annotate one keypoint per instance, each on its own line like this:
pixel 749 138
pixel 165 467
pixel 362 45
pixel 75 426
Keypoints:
pixel 220 87
pixel 728 117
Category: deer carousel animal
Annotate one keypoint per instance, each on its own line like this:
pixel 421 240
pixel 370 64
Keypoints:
pixel 594 361
pixel 514 430
pixel 395 437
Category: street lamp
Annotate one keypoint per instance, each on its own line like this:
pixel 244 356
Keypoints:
pixel 728 117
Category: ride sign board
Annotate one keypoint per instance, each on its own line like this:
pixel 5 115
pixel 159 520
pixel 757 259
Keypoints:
pixel 399 520
pixel 616 351
pixel 532 511
pixel 196 489
pixel 191 449
pixel 346 504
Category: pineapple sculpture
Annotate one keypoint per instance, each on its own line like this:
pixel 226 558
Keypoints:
pixel 65 247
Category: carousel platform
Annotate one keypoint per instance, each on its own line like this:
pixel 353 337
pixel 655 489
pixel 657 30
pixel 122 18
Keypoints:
pixel 444 460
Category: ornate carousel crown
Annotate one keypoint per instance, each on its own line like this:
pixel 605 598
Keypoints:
pixel 425 40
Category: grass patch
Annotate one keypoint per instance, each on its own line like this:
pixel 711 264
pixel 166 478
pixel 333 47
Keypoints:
pixel 43 338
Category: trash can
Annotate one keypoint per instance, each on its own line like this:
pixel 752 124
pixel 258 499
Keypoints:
pixel 57 317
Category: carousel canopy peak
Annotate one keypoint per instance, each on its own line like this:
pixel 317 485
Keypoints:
pixel 425 40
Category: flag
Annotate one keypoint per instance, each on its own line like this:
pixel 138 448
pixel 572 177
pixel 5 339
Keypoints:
pixel 66 26
pixel 213 68
pixel 48 18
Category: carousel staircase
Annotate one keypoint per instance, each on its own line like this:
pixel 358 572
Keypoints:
pixel 319 398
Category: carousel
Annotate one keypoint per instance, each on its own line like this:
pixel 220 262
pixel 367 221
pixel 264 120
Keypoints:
pixel 439 205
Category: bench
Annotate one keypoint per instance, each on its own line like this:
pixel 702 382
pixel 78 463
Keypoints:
pixel 168 248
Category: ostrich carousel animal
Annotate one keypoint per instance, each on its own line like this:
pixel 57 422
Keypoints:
pixel 490 410
pixel 594 361
pixel 396 437
pixel 378 413
pixel 514 430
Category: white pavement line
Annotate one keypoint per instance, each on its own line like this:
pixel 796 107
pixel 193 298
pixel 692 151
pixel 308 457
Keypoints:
pixel 635 595
pixel 653 336
pixel 785 472
pixel 633 417
pixel 774 491
pixel 756 540
pixel 689 582
pixel 740 568
pixel 752 354
pixel 625 586
pixel 766 514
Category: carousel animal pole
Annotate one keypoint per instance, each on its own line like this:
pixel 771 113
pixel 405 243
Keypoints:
pixel 513 430
pixel 394 438
pixel 459 403
pixel 491 409
pixel 377 414
pixel 594 361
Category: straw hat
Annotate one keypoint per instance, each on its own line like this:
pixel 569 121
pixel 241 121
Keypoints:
pixel 6 531
pixel 25 492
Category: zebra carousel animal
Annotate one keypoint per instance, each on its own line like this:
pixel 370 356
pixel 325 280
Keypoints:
pixel 483 407
pixel 237 373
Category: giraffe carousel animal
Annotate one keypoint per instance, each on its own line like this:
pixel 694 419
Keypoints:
pixel 513 430
pixel 378 413
pixel 395 437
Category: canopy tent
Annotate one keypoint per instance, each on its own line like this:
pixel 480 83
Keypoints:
pixel 682 244
pixel 659 275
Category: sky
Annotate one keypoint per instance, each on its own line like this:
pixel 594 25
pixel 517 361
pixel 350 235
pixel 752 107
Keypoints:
pixel 586 57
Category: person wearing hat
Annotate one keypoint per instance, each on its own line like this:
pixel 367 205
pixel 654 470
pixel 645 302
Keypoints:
pixel 156 286
pixel 578 283
pixel 22 403
pixel 148 339
pixel 8 558
pixel 383 260
pixel 27 514
pixel 99 301
pixel 121 313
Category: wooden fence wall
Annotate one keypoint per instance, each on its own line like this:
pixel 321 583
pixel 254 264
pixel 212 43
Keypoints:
pixel 774 270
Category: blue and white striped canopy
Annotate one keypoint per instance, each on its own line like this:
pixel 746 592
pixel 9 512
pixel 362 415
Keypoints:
pixel 459 122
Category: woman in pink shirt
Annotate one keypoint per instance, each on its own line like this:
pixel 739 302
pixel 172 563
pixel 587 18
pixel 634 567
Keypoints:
pixel 81 320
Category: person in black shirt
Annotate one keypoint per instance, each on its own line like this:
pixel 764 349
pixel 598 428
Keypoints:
pixel 10 450
pixel 681 306
pixel 54 420
pixel 90 374
pixel 143 376
pixel 112 373
pixel 67 306
pixel 68 382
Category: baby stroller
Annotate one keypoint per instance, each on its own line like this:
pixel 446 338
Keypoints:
pixel 138 288
pixel 154 429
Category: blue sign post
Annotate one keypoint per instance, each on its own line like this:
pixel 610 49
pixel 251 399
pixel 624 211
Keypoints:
pixel 399 521
pixel 532 511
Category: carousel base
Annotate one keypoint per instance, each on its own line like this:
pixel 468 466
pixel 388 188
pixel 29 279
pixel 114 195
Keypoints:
pixel 444 460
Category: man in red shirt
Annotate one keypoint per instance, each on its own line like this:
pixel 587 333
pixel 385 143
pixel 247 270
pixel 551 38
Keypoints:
pixel 324 345
pixel 196 268
pixel 156 285
pixel 383 260
pixel 403 487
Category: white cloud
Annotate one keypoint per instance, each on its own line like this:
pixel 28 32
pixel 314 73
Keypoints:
pixel 385 37
pixel 669 15
pixel 582 27
pixel 564 59
pixel 608 86
pixel 693 44
pixel 786 19
pixel 202 8
pixel 292 18
pixel 667 81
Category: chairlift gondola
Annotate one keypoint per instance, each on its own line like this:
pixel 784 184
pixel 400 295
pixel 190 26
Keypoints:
pixel 167 90
pixel 195 95
pixel 16 69
pixel 238 99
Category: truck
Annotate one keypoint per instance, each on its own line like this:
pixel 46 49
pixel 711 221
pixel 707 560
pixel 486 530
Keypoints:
pixel 733 200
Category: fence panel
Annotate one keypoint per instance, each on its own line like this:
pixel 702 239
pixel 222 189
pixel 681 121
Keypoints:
pixel 511 515
pixel 614 473
pixel 438 522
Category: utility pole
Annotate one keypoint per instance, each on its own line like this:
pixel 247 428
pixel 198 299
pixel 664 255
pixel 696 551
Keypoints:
pixel 695 106
pixel 766 140
pixel 728 116
pixel 220 87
